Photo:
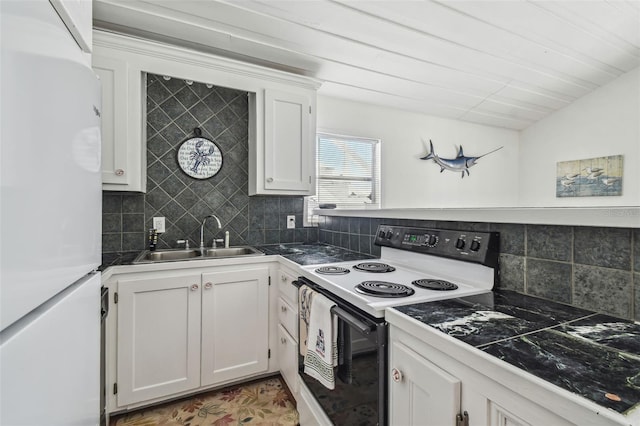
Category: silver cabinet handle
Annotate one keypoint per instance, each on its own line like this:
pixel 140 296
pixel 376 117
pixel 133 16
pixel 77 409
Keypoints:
pixel 269 180
pixel 194 287
pixel 396 375
pixel 207 286
pixel 119 172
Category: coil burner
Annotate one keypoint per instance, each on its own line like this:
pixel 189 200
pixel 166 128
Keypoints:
pixel 384 289
pixel 332 270
pixel 374 267
pixel 439 285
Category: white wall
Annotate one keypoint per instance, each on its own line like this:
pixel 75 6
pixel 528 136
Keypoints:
pixel 603 123
pixel 407 181
pixel 523 173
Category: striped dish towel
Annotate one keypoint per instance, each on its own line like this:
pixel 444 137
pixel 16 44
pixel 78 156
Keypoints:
pixel 322 348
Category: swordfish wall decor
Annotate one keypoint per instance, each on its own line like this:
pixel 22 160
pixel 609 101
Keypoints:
pixel 461 163
pixel 593 177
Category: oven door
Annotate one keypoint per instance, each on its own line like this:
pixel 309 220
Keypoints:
pixel 360 386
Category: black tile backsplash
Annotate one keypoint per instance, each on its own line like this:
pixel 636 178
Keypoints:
pixel 610 248
pixel 550 242
pixel 549 279
pixel 174 109
pixel 588 267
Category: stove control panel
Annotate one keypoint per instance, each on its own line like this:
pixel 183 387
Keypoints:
pixel 470 246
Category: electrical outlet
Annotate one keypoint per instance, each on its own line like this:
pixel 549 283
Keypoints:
pixel 291 221
pixel 158 224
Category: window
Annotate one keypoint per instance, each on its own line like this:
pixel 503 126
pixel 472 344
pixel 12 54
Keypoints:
pixel 348 173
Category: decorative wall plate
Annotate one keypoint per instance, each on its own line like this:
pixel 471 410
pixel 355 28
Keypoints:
pixel 199 157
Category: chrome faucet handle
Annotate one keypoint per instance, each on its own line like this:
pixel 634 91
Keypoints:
pixel 216 241
pixel 185 242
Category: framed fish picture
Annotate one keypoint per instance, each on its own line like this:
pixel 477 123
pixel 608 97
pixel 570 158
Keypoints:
pixel 593 177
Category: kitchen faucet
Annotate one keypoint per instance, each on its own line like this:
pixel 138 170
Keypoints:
pixel 202 231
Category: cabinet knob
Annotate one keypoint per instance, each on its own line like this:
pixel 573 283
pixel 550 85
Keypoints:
pixel 119 172
pixel 194 287
pixel 396 375
pixel 269 180
pixel 207 286
pixel 283 308
pixel 283 340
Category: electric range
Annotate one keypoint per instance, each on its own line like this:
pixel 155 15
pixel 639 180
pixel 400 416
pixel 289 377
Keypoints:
pixel 463 263
pixel 450 263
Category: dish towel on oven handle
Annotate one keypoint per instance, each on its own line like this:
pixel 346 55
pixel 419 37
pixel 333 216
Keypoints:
pixel 304 308
pixel 322 349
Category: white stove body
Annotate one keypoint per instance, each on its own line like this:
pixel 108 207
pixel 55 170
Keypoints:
pixel 470 278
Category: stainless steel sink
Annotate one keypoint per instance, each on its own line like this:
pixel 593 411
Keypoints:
pixel 173 255
pixel 231 252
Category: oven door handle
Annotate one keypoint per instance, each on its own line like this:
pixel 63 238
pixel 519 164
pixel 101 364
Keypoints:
pixel 351 320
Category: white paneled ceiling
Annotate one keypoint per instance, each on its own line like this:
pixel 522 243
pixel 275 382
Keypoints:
pixel 503 63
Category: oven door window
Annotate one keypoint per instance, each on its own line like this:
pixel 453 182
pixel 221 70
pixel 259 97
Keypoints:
pixel 360 387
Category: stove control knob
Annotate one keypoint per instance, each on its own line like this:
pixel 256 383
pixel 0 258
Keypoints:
pixel 381 234
pixel 460 244
pixel 396 375
pixel 389 235
pixel 475 245
pixel 432 241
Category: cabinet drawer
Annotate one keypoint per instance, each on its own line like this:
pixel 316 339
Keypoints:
pixel 286 287
pixel 288 317
pixel 288 359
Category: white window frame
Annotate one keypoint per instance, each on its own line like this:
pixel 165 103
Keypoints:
pixel 311 203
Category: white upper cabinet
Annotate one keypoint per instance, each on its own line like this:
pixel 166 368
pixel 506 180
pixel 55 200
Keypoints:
pixel 284 161
pixel 281 124
pixel 123 119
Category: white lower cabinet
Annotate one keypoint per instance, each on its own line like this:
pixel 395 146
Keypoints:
pixel 179 330
pixel 420 392
pixel 158 337
pixel 235 324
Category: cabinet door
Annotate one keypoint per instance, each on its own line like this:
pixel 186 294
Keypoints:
pixel 235 324
pixel 123 118
pixel 158 337
pixel 113 78
pixel 420 392
pixel 288 358
pixel 288 143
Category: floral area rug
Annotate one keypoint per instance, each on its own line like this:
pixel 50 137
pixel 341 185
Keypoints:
pixel 260 403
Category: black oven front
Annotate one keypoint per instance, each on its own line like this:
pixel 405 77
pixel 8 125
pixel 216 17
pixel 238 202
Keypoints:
pixel 360 392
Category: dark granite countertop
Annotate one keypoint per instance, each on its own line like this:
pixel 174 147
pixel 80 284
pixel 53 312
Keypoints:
pixel 593 355
pixel 302 254
pixel 120 258
pixel 313 254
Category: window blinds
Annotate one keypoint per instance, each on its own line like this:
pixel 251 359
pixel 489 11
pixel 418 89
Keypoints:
pixel 348 171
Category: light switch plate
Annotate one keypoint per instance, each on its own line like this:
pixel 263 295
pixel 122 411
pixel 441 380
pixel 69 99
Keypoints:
pixel 158 224
pixel 291 221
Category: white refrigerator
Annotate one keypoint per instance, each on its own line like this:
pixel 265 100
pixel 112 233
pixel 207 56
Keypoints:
pixel 50 221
